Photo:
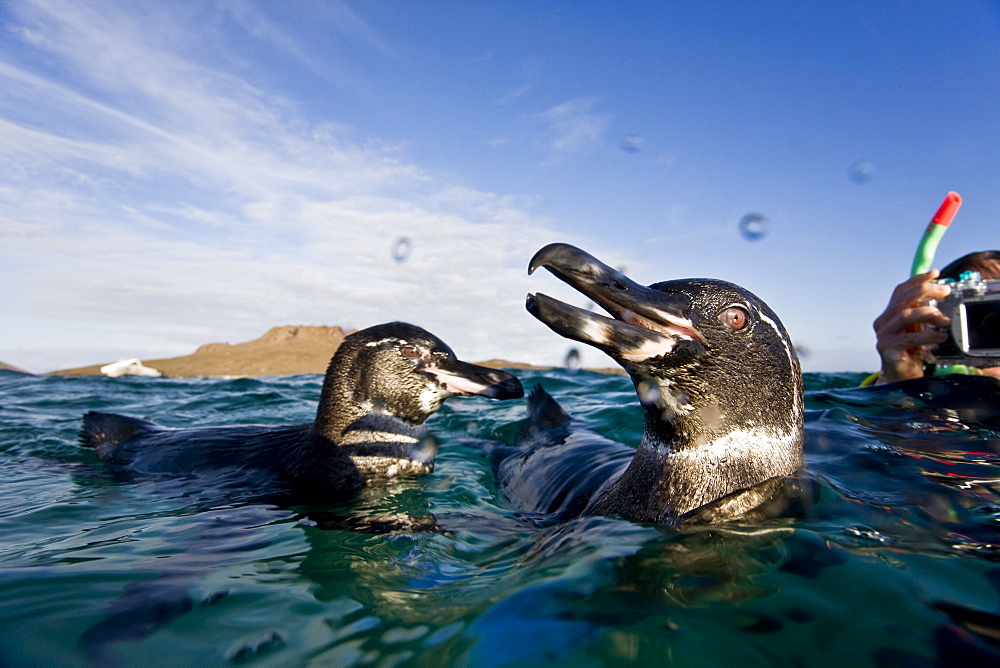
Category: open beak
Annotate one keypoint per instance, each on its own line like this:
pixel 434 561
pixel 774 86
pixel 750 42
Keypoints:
pixel 645 323
pixel 462 378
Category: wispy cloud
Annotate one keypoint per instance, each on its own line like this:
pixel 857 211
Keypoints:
pixel 341 26
pixel 513 95
pixel 574 127
pixel 149 203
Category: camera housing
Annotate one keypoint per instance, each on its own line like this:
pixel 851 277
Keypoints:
pixel 974 333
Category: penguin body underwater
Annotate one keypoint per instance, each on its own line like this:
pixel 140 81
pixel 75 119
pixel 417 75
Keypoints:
pixel 382 383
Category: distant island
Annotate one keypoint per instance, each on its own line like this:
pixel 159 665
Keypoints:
pixel 8 367
pixel 282 351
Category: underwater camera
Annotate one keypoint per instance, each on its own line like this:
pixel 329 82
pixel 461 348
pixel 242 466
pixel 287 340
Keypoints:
pixel 974 333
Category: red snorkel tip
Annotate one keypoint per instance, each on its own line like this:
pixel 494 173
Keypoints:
pixel 946 212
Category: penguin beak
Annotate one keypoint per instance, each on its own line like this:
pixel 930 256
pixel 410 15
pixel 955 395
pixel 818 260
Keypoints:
pixel 464 379
pixel 645 323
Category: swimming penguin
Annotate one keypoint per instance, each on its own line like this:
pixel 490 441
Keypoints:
pixel 382 383
pixel 721 392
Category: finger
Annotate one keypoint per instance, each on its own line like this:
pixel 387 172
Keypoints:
pixel 905 295
pixel 929 315
pixel 918 288
pixel 908 323
pixel 933 291
pixel 906 341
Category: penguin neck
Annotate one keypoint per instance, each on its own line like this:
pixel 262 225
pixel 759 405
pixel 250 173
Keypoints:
pixel 347 415
pixel 680 465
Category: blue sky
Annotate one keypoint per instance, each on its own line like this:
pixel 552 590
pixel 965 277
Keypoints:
pixel 173 174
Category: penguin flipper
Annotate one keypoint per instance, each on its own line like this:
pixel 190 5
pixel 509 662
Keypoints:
pixel 544 411
pixel 546 422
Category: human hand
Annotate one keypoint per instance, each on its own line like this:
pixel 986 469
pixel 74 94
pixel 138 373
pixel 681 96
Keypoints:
pixel 903 348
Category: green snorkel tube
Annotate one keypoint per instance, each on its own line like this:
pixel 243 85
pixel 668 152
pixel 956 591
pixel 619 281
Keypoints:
pixel 924 258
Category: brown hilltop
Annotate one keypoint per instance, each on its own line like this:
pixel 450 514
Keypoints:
pixel 281 351
pixel 8 367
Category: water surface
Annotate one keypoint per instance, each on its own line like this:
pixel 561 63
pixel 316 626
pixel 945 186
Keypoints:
pixel 895 562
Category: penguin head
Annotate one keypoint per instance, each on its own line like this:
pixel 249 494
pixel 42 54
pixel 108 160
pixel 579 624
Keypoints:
pixel 707 357
pixel 404 371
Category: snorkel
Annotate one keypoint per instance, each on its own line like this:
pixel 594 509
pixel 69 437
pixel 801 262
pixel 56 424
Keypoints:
pixel 924 257
pixel 922 261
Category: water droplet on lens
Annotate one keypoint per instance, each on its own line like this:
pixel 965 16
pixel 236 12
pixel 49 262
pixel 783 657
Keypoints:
pixel 753 226
pixel 632 143
pixel 572 361
pixel 425 450
pixel 401 249
pixel 861 171
pixel 648 393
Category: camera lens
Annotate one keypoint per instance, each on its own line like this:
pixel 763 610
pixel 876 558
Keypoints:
pixel 983 326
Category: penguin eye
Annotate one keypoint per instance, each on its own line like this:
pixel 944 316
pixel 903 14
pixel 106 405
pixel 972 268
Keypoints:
pixel 409 352
pixel 734 317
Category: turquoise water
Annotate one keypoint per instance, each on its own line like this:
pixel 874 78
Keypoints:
pixel 895 562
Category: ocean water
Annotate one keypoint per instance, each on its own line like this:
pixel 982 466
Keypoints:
pixel 895 563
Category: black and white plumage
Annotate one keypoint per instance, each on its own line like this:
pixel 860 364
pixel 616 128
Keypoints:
pixel 382 383
pixel 721 392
